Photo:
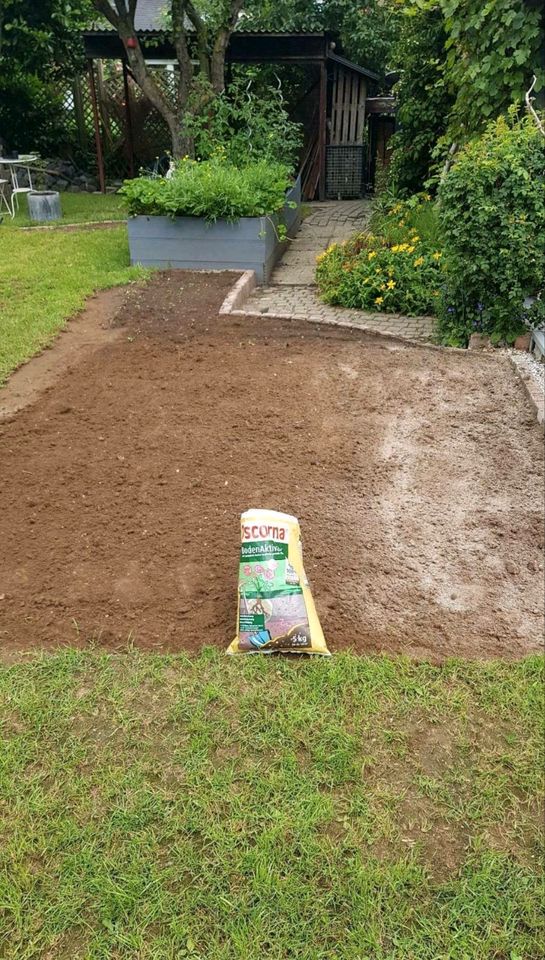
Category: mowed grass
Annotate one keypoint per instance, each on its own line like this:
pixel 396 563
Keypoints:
pixel 158 807
pixel 45 277
pixel 76 208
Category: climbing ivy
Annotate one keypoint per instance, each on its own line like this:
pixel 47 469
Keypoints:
pixel 492 52
pixel 424 100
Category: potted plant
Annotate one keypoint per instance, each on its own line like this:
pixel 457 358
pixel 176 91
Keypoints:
pixel 43 204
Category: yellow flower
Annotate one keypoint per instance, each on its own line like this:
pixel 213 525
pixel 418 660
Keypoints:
pixel 401 223
pixel 390 271
pixel 397 208
pixel 391 284
pixel 437 255
pixel 419 261
pixel 427 197
pixel 372 254
pixel 409 249
pixel 379 300
pixel 383 286
pixel 435 293
pixel 396 248
pixel 415 239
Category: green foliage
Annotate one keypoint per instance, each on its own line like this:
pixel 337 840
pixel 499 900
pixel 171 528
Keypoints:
pixel 395 270
pixel 248 125
pixel 43 39
pixel 211 189
pixel 367 32
pixel 40 44
pixel 492 51
pixel 492 215
pixel 424 100
pixel 462 62
pixel 31 113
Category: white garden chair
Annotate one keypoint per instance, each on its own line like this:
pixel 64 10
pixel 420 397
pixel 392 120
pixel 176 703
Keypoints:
pixel 4 202
pixel 16 188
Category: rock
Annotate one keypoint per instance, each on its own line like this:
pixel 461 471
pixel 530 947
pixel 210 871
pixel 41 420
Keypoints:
pixel 522 342
pixel 479 341
pixel 533 567
pixel 512 568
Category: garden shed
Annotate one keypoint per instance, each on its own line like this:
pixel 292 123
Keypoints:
pixel 331 103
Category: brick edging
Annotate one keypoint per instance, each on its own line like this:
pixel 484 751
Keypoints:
pixel 239 292
pixel 246 283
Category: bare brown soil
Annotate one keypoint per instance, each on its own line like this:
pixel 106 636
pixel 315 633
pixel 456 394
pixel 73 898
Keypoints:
pixel 87 331
pixel 416 474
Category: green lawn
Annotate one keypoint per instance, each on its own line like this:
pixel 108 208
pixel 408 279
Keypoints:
pixel 76 208
pixel 46 275
pixel 355 809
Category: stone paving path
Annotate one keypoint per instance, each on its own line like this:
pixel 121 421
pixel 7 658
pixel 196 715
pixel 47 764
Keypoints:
pixel 292 290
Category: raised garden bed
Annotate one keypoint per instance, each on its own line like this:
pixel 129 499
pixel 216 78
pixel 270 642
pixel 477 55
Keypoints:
pixel 192 243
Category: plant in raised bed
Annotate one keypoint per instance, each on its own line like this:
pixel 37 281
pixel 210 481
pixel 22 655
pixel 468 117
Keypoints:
pixel 213 215
pixel 213 189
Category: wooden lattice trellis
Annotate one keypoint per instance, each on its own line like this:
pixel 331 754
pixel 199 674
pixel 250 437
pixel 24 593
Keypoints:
pixel 130 139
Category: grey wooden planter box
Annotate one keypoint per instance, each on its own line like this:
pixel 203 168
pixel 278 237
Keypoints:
pixel 190 243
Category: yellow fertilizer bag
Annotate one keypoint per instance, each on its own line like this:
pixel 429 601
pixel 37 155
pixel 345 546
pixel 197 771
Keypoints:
pixel 276 611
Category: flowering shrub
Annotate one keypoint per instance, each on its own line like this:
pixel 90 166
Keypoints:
pixel 394 271
pixel 492 215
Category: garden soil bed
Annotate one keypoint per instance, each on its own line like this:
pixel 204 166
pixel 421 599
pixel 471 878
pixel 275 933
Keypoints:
pixel 416 474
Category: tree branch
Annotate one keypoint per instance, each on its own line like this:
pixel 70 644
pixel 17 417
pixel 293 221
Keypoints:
pixel 103 7
pixel 217 64
pixel 530 108
pixel 201 33
pixel 179 38
pixel 123 21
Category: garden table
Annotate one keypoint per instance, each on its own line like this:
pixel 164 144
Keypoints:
pixel 24 162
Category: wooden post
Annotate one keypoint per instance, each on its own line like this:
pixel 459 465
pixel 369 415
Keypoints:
pixel 98 142
pixel 322 125
pixel 79 112
pixel 130 140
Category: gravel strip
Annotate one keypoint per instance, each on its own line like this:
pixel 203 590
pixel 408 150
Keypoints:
pixel 529 366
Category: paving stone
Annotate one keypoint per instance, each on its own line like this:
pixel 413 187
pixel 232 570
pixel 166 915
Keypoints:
pixel 291 291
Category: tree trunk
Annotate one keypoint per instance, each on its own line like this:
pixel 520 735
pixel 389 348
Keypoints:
pixel 121 15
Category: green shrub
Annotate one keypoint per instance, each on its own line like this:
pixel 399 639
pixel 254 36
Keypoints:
pixel 424 98
pixel 213 189
pixel 249 126
pixel 32 116
pixel 394 270
pixel 492 217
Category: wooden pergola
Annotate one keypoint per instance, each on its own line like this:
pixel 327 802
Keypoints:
pixel 334 131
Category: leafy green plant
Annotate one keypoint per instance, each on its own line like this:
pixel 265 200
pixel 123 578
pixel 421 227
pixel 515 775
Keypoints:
pixel 249 126
pixel 492 217
pixel 396 269
pixel 424 98
pixel 212 189
pixel 492 53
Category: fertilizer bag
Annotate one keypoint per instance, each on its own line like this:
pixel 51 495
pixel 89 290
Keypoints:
pixel 276 611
